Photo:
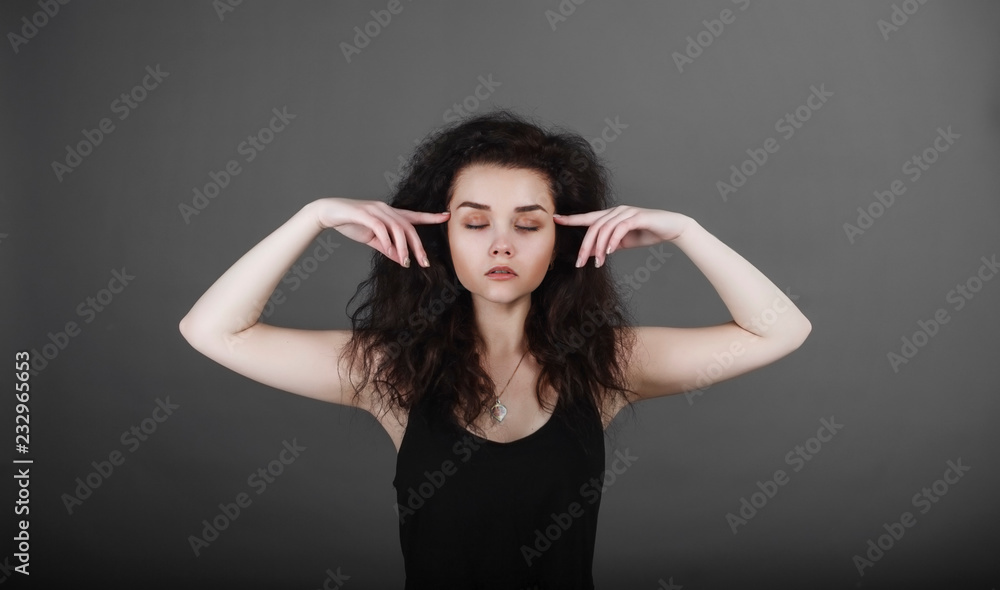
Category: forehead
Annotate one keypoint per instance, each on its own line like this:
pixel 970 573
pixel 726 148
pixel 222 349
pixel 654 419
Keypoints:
pixel 501 188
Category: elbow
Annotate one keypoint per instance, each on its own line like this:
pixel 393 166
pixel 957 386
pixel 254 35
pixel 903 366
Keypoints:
pixel 793 334
pixel 194 335
pixel 803 332
pixel 187 328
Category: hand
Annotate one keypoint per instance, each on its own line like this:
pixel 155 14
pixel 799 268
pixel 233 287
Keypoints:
pixel 623 227
pixel 372 222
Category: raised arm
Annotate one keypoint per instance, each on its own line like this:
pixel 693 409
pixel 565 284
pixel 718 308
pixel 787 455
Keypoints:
pixel 766 325
pixel 224 323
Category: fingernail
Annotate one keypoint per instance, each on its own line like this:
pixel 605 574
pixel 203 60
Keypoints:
pixel 406 262
pixel 608 250
pixel 426 262
pixel 597 263
pixel 579 263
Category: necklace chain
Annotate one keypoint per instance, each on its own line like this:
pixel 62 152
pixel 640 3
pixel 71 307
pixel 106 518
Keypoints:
pixel 499 411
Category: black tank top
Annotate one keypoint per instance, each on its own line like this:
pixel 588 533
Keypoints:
pixel 480 514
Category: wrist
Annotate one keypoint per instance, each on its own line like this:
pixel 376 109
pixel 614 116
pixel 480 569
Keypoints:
pixel 310 212
pixel 689 227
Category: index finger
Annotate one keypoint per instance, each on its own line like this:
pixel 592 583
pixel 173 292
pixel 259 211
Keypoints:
pixel 578 218
pixel 424 217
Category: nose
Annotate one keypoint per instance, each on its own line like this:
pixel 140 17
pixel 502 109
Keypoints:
pixel 501 244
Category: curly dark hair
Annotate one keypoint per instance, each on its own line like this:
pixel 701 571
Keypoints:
pixel 416 329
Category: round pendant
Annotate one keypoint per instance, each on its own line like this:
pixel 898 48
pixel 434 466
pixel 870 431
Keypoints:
pixel 498 411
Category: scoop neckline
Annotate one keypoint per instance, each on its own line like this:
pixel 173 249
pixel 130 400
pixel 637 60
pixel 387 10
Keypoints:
pixel 514 442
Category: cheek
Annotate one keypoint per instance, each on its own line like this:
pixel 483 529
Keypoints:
pixel 541 253
pixel 460 247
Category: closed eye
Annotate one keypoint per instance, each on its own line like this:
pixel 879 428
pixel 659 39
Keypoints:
pixel 516 226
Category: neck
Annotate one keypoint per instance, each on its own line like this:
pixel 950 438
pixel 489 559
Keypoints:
pixel 502 327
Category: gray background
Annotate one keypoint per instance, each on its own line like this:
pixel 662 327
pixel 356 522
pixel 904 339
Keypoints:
pixel 664 519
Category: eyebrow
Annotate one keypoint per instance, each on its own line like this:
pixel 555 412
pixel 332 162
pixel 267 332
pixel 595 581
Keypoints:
pixel 520 209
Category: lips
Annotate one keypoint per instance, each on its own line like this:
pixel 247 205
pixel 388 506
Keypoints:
pixel 502 270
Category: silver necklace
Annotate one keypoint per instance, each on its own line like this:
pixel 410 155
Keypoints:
pixel 499 411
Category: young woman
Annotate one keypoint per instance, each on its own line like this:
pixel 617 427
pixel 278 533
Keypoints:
pixel 493 354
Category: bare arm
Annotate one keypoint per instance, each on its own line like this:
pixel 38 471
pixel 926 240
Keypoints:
pixel 766 326
pixel 235 301
pixel 223 324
